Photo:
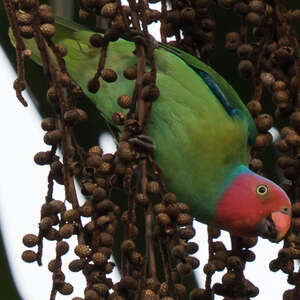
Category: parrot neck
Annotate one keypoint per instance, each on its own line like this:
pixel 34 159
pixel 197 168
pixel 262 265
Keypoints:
pixel 241 169
pixel 235 202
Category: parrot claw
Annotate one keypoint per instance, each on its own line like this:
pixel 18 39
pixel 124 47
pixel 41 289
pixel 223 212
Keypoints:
pixel 143 141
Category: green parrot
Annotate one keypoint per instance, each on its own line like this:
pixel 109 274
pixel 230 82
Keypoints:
pixel 201 129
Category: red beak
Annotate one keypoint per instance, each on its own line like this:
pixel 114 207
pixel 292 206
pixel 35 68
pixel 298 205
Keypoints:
pixel 282 224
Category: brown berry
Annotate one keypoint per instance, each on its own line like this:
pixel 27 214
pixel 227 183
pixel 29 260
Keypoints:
pixel 232 40
pixel 118 118
pixel 198 294
pixel 26 31
pixel 150 92
pixel 54 264
pixel 187 233
pixel 209 268
pixel 246 69
pixel 99 259
pixel 142 199
pixel 97 40
pixel 109 75
pixel 256 6
pixel 106 239
pixel 235 263
pixel 184 269
pixel 286 162
pixel 264 122
pixel 253 19
pixel 82 250
pixel 193 261
pixel 254 107
pixel 24 18
pixel 29 256
pixel 51 234
pixel 184 219
pixel 48 124
pixel 282 146
pixel 109 10
pixel 187 14
pixel 293 140
pixel 125 101
pixel 53 137
pixel 93 85
pixel 192 248
pixel 62 248
pixel 48 30
pixel 178 251
pixel 66 231
pixel 147 78
pixel 57 206
pixel 130 73
pixel 163 219
pixel 46 13
pixel 30 240
pixel 70 215
pixel 99 193
pixel 128 246
pixel 244 51
pixel 77 265
pixel 101 289
pixel 74 116
pixel 45 223
pixel 66 288
pixel 267 79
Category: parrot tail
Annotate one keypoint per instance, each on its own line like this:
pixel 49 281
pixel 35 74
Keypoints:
pixel 64 29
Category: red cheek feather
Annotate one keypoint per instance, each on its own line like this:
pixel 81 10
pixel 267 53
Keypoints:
pixel 240 208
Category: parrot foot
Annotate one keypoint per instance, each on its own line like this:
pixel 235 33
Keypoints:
pixel 143 141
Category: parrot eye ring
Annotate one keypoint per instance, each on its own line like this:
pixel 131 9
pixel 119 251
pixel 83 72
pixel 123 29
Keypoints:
pixel 286 210
pixel 262 190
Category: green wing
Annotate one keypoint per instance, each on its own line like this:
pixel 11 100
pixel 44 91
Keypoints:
pixel 230 100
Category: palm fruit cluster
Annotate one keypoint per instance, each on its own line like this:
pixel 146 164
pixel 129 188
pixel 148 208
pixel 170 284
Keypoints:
pixel 271 61
pixel 267 50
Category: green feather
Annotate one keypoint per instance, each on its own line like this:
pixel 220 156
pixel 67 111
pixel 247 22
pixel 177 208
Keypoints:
pixel 198 143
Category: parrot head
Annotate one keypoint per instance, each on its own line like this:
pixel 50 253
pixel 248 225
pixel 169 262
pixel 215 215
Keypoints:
pixel 253 205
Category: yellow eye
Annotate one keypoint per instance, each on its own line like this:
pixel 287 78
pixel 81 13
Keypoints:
pixel 262 190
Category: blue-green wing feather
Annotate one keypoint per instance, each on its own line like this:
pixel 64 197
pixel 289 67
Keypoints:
pixel 220 88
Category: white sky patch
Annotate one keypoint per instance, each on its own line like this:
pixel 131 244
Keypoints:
pixel 275 134
pixel 107 143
